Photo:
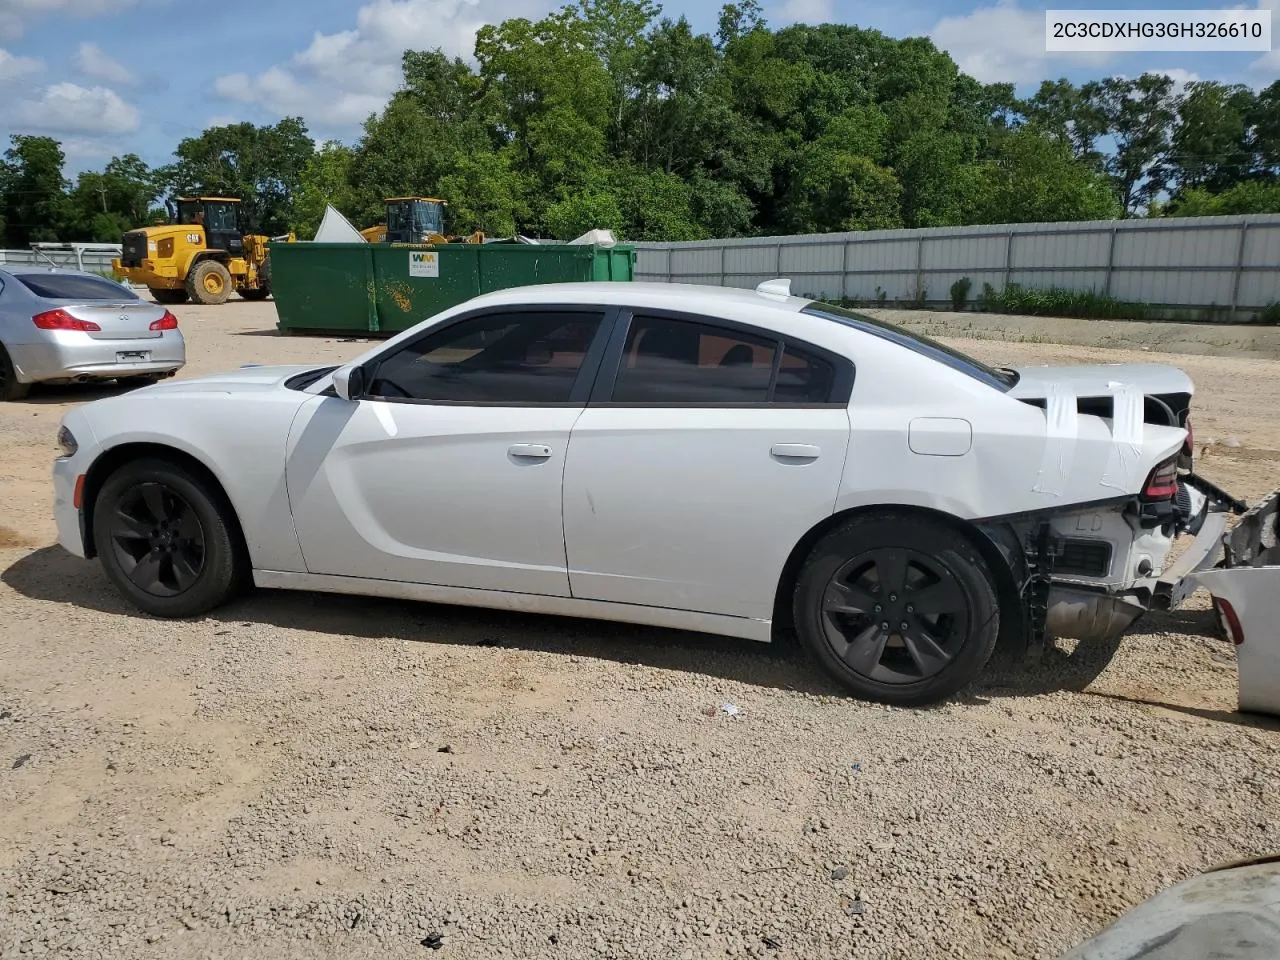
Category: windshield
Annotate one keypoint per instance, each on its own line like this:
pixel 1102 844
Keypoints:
pixel 74 286
pixel 211 216
pixel 1001 379
pixel 417 218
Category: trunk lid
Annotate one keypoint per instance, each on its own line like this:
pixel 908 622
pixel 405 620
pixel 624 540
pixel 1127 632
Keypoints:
pixel 122 320
pixel 1166 390
pixel 1101 380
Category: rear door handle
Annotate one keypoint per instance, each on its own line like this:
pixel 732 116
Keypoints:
pixel 795 451
pixel 529 451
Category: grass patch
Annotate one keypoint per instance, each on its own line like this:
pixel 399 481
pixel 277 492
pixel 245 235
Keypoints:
pixel 1058 302
pixel 1269 315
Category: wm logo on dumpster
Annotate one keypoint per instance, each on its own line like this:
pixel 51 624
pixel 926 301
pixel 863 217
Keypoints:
pixel 424 263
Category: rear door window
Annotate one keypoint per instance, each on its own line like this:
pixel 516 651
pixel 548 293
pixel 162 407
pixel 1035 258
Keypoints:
pixel 666 360
pixel 74 286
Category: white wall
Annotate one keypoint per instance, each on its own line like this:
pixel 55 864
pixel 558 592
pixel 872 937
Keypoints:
pixel 1227 264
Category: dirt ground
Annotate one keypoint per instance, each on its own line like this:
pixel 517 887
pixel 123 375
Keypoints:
pixel 325 777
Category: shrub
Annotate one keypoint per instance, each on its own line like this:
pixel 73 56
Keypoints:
pixel 1269 315
pixel 1057 302
pixel 960 293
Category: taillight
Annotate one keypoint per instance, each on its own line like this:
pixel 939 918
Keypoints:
pixel 61 320
pixel 1163 482
pixel 1230 621
pixel 167 322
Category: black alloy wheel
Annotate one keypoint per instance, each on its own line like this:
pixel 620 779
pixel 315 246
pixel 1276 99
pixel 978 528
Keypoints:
pixel 168 538
pixel 157 539
pixel 898 608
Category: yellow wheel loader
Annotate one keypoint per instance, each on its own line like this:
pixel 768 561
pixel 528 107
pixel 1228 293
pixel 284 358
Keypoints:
pixel 202 257
pixel 415 220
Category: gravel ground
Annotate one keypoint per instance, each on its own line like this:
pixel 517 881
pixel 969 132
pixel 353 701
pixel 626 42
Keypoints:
pixel 319 776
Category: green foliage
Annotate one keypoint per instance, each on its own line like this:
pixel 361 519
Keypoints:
pixel 605 113
pixel 324 181
pixel 35 206
pixel 1057 302
pixel 1269 315
pixel 1033 179
pixel 1248 197
pixel 105 205
pixel 960 293
pixel 260 165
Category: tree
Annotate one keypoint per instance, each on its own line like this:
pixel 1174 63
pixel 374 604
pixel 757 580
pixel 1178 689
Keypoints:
pixel 1070 114
pixel 35 203
pixel 485 192
pixel 1211 144
pixel 574 216
pixel 106 204
pixel 1263 122
pixel 325 181
pixel 835 189
pixel 1032 179
pixel 262 166
pixel 1249 197
pixel 1140 114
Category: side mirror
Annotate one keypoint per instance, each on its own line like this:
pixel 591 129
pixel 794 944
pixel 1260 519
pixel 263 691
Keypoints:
pixel 348 382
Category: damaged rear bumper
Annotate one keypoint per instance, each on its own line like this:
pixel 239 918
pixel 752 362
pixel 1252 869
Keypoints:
pixel 1085 612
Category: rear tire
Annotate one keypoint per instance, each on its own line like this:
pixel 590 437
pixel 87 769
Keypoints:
pixel 167 540
pixel 209 283
pixel 259 294
pixel 10 388
pixel 897 608
pixel 168 297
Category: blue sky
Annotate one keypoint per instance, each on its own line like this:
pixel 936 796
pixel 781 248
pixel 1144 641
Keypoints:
pixel 117 76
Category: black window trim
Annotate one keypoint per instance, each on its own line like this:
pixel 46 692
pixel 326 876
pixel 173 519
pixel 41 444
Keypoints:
pixel 578 393
pixel 611 365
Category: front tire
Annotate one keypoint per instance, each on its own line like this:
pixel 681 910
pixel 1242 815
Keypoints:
pixel 897 608
pixel 209 283
pixel 10 387
pixel 168 297
pixel 167 540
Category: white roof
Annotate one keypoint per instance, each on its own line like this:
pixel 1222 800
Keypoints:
pixel 688 297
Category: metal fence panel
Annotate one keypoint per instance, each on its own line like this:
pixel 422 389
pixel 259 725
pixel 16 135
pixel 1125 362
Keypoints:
pixel 1182 265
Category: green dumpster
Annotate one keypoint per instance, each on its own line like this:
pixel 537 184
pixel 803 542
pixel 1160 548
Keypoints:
pixel 386 288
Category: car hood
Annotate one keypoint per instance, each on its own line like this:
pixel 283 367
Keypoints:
pixel 1100 380
pixel 248 378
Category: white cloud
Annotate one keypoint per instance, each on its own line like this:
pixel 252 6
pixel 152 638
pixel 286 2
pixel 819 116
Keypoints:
pixel 68 108
pixel 1003 43
pixel 340 78
pixel 15 14
pixel 93 61
pixel 1179 77
pixel 13 67
pixel 804 11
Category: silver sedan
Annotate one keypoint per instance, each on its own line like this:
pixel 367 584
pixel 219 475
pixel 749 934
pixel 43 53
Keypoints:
pixel 66 326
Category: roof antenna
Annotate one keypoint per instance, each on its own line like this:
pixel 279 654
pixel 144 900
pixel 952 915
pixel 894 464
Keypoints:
pixel 775 288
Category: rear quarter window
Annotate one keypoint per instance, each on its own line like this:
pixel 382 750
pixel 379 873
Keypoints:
pixel 71 286
pixel 1001 379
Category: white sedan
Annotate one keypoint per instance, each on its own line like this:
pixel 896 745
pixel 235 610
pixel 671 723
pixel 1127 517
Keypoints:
pixel 728 461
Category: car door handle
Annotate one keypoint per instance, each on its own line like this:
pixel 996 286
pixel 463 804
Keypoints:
pixel 795 451
pixel 529 451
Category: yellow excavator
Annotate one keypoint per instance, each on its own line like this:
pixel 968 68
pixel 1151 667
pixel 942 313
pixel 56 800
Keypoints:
pixel 202 256
pixel 415 220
